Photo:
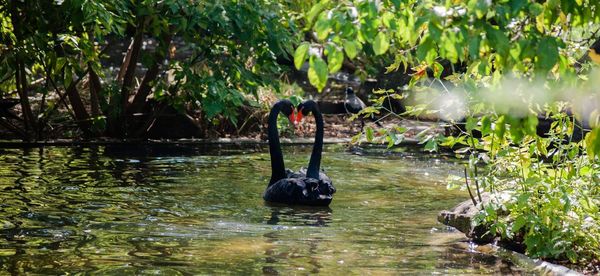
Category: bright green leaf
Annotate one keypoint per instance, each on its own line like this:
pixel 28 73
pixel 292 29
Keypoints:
pixel 351 48
pixel 322 28
pixel 317 73
pixel 381 43
pixel 335 58
pixel 369 134
pixel 300 55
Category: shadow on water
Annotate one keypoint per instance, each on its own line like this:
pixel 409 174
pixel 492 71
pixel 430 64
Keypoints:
pixel 164 150
pixel 188 211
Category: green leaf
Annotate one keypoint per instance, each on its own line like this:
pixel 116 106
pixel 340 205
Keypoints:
pixel 536 9
pixel 518 224
pixel 435 31
pixel 322 28
pixel 531 125
pixel 547 54
pixel 438 69
pixel 450 51
pixel 389 20
pixel 500 128
pixel 480 7
pixel 471 124
pixel 426 50
pixel 351 48
pixel 381 43
pixel 368 30
pixel 486 125
pixel 369 134
pixel 516 129
pixel 317 73
pixel 300 55
pixel 497 39
pixel 315 11
pixel 335 58
pixel 431 146
pixel 592 143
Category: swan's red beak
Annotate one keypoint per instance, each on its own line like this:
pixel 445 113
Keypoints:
pixel 292 117
pixel 298 117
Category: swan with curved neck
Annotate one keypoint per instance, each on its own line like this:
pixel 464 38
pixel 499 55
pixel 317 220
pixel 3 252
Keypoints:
pixel 306 187
pixel 314 164
pixel 277 166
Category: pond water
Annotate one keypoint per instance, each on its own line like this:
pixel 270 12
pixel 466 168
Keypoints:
pixel 129 210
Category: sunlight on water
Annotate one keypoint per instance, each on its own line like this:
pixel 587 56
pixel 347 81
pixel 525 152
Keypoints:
pixel 189 211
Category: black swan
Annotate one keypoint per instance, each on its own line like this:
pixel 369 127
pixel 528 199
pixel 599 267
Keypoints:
pixel 354 104
pixel 308 186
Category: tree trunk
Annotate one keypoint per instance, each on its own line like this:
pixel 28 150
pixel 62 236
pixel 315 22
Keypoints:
pixel 81 115
pixel 133 54
pixel 20 74
pixel 21 83
pixel 145 87
pixel 94 83
pixel 130 64
pixel 95 87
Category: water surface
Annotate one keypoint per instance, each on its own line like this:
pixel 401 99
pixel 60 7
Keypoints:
pixel 189 210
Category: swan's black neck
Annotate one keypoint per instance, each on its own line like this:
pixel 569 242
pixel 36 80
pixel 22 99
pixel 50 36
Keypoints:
pixel 277 165
pixel 315 158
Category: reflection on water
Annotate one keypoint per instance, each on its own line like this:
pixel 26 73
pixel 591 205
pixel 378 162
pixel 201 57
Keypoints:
pixel 300 215
pixel 184 210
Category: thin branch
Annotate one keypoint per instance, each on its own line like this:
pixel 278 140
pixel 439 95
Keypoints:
pixel 477 184
pixel 61 97
pixel 468 188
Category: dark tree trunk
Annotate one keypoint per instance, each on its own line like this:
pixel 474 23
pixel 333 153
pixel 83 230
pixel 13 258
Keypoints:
pixel 81 115
pixel 21 82
pixel 129 65
pixel 20 74
pixel 95 87
pixel 94 84
pixel 145 87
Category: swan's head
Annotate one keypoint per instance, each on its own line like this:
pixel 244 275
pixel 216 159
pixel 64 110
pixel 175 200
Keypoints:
pixel 287 108
pixel 305 108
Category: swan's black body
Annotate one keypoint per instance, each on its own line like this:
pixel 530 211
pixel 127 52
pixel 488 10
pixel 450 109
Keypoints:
pixel 308 186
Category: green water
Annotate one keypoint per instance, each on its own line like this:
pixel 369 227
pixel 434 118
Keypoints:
pixel 196 211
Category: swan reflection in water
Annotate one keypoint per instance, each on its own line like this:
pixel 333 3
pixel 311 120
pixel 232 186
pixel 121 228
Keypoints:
pixel 309 247
pixel 299 215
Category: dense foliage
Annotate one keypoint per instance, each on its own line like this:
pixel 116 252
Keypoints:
pixel 230 50
pixel 506 65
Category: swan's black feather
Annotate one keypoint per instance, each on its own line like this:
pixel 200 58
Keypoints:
pixel 302 191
